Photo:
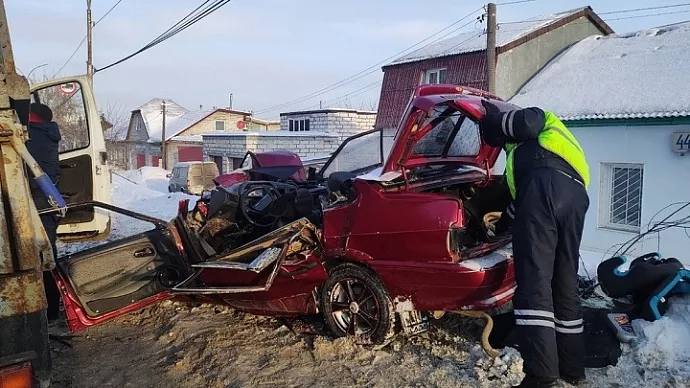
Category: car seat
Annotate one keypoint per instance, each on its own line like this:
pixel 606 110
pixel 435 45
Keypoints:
pixel 650 281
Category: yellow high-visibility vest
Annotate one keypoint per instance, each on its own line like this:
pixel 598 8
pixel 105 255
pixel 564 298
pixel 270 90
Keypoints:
pixel 555 138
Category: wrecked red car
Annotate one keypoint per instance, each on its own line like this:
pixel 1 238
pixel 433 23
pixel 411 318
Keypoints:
pixel 390 228
pixel 271 159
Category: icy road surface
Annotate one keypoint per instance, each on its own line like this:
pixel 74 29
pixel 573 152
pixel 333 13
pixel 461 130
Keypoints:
pixel 180 345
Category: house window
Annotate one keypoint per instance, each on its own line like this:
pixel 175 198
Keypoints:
pixel 621 196
pixel 298 125
pixel 220 125
pixel 435 76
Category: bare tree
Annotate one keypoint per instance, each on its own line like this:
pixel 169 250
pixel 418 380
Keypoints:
pixel 369 105
pixel 346 103
pixel 114 121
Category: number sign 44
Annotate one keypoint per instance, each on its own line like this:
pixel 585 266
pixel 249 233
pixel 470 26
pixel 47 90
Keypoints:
pixel 683 141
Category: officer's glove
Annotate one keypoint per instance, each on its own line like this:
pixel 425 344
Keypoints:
pixel 504 225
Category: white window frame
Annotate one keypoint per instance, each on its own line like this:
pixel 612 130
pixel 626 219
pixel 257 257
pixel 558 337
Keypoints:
pixel 428 73
pixel 223 124
pixel 605 197
pixel 298 125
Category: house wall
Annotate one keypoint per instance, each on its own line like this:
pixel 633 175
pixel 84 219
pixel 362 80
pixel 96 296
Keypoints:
pixel 663 183
pixel 516 66
pixel 147 149
pixel 208 125
pixel 229 146
pixel 343 123
pixel 172 150
pixel 399 82
pixel 137 128
pixel 117 154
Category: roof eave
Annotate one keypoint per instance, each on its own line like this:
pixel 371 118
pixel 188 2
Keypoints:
pixel 586 12
pixel 407 62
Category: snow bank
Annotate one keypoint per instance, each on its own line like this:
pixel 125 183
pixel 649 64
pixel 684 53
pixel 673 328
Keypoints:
pixel 143 191
pixel 154 178
pixel 660 358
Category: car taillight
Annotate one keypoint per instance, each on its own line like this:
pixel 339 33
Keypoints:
pixel 18 376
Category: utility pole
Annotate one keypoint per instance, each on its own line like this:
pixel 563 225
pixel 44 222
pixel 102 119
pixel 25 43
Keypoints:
pixel 163 156
pixel 491 47
pixel 89 43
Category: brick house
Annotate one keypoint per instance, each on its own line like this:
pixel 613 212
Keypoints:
pixel 141 143
pixel 343 122
pixel 522 49
pixel 315 133
pixel 228 149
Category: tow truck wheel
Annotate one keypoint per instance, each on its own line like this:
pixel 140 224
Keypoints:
pixel 354 302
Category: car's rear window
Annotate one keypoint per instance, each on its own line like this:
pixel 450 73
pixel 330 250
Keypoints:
pixel 452 134
pixel 360 154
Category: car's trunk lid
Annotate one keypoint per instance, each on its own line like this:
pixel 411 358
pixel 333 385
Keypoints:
pixel 442 130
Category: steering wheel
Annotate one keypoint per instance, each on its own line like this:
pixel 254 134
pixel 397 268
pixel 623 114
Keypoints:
pixel 257 203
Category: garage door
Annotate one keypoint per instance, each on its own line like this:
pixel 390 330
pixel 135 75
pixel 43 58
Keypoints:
pixel 190 154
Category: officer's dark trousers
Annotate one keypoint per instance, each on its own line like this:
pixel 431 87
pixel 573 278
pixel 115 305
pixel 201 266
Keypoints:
pixel 549 217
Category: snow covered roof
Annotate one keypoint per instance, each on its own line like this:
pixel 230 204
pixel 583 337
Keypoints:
pixel 637 75
pixel 188 139
pixel 506 34
pixel 175 124
pixel 271 134
pixel 152 114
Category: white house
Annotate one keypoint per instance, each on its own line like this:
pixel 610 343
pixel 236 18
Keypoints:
pixel 626 97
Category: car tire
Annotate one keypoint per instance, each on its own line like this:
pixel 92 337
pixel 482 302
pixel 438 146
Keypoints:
pixel 352 290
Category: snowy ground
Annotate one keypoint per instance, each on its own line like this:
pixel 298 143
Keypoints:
pixel 180 345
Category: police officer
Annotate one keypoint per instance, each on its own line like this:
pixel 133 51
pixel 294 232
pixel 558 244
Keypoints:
pixel 43 145
pixel 547 174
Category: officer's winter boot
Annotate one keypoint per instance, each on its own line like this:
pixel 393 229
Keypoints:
pixel 531 381
pixel 574 380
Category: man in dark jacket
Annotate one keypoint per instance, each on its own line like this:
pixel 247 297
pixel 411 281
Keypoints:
pixel 44 140
pixel 547 174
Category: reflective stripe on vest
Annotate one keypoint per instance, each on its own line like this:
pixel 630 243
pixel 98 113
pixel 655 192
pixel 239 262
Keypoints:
pixel 555 138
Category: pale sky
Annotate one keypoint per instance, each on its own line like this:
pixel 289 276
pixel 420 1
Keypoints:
pixel 265 52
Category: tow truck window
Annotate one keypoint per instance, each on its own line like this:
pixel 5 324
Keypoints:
pixel 67 103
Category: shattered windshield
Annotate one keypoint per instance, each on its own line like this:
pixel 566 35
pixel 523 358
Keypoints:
pixel 359 154
pixel 452 134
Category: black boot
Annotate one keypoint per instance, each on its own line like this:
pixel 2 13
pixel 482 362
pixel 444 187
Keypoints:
pixel 574 380
pixel 531 381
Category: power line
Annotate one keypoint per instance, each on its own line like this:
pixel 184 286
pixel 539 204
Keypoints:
pixel 615 12
pixel 614 19
pixel 370 86
pixel 184 23
pixel 648 15
pixel 106 14
pixel 84 40
pixel 374 67
pixel 645 9
pixel 515 2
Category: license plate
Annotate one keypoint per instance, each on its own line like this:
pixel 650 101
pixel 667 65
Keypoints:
pixel 414 322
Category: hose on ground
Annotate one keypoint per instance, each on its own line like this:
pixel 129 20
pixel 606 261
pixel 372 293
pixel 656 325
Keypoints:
pixel 488 326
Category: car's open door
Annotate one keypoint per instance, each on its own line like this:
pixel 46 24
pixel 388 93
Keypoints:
pixel 115 278
pixel 84 172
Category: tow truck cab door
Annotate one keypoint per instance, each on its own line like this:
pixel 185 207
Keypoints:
pixel 84 173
